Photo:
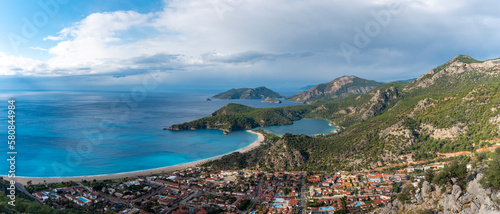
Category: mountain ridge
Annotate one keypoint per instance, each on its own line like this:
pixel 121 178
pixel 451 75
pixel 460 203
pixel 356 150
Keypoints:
pixel 457 112
pixel 337 88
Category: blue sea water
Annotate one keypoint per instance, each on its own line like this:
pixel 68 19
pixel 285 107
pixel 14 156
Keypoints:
pixel 305 126
pixel 71 133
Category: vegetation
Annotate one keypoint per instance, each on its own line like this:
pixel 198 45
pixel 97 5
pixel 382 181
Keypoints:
pixel 24 203
pixel 491 176
pixel 429 175
pixel 322 92
pixel 406 193
pixel 244 204
pixel 248 93
pixel 466 59
pixel 393 119
pixel 233 117
pixel 454 170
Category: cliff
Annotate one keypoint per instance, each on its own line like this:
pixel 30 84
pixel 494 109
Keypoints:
pixel 473 199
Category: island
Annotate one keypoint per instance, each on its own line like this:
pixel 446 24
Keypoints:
pixel 248 93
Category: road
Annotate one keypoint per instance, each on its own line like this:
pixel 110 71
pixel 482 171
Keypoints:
pixel 257 195
pixel 183 201
pixel 20 187
pixel 303 197
pixel 445 155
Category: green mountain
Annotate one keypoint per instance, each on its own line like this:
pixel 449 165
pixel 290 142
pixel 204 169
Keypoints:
pixel 233 117
pixel 248 93
pixel 454 107
pixel 337 88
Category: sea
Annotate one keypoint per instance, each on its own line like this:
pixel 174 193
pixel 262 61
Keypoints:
pixel 82 133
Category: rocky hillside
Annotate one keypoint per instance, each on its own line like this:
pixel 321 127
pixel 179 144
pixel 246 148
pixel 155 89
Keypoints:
pixel 453 199
pixel 337 88
pixel 248 93
pixel 452 108
pixel 275 154
pixel 459 70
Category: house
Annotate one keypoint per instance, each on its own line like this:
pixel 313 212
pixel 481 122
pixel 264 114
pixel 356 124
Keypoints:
pixel 374 178
pixel 314 178
pixel 385 197
pixel 402 177
pixel 41 196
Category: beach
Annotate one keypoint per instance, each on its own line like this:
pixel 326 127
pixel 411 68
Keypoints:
pixel 41 180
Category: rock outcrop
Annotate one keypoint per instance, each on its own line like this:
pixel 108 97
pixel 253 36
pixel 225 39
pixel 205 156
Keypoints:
pixel 475 200
pixel 378 102
pixel 271 100
pixel 496 120
pixel 445 133
pixel 426 189
pixel 456 67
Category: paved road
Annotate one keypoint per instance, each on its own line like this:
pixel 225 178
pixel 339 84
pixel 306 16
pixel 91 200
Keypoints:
pixel 257 195
pixel 183 201
pixel 303 198
pixel 20 187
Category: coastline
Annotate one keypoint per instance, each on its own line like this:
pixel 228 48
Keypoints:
pixel 41 180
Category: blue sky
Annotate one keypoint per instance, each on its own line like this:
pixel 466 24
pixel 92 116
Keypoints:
pixel 219 44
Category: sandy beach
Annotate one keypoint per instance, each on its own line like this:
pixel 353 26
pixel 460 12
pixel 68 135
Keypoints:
pixel 37 180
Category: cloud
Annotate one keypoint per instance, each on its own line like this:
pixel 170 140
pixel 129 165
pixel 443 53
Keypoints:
pixel 240 38
pixel 18 65
pixel 54 38
pixel 98 40
pixel 249 57
pixel 39 49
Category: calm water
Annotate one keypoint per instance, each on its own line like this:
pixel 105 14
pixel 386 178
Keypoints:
pixel 305 126
pixel 89 133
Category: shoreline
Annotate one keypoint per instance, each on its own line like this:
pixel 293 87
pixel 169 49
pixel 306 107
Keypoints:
pixel 147 172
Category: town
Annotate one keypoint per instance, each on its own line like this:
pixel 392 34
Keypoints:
pixel 202 190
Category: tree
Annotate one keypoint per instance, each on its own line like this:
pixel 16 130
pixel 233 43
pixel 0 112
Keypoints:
pixel 429 175
pixel 454 170
pixel 491 177
pixel 395 187
pixel 244 204
pixel 344 204
pixel 406 194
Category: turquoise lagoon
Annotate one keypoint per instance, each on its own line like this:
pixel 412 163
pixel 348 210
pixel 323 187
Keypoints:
pixel 305 126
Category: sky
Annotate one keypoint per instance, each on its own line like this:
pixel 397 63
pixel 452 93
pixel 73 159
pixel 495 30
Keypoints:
pixel 222 44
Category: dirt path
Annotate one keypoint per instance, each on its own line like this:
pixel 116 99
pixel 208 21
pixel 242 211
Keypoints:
pixel 491 149
pixel 447 155
pixel 453 154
